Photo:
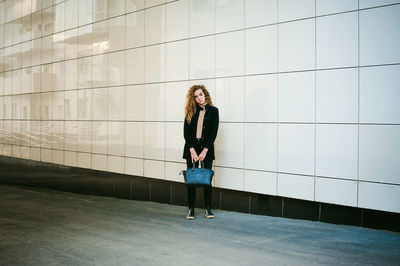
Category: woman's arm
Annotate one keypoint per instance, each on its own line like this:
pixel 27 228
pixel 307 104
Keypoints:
pixel 189 141
pixel 186 134
pixel 213 129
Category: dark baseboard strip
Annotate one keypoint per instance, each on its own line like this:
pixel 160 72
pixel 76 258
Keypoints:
pixel 15 171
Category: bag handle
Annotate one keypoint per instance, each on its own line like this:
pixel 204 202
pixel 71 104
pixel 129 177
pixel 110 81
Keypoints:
pixel 202 167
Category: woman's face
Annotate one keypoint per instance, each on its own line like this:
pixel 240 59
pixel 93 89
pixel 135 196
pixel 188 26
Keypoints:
pixel 199 97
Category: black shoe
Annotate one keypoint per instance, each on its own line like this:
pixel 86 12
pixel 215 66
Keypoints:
pixel 190 215
pixel 208 214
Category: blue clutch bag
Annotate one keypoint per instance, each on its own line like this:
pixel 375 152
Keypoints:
pixel 198 176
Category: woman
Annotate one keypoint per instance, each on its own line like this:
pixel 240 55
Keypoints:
pixel 200 130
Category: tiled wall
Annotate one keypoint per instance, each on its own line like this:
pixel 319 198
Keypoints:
pixel 308 90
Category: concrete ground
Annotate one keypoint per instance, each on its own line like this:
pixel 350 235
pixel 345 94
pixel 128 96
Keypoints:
pixel 45 227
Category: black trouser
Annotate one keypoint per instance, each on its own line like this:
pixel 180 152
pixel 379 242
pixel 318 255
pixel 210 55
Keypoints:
pixel 191 189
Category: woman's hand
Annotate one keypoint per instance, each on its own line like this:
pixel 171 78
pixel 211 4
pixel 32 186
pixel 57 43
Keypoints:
pixel 194 156
pixel 203 154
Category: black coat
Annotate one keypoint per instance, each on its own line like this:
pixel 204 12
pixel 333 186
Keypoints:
pixel 210 129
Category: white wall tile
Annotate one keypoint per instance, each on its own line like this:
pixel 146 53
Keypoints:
pixel 85 12
pixel 46 156
pixel 261 98
pixel 336 191
pixel 99 137
pixel 85 104
pixel 202 57
pixel 35 133
pixel 16 133
pixel 229 15
pixel 325 7
pixel 116 8
pixel 379 197
pixel 297 97
pixel 295 9
pixel 380 94
pixel 85 40
pixel 337 40
pixel 99 103
pixel 71 105
pixel 57 156
pixel 260 12
pixel 116 103
pixel 261 50
pixel 47 23
pixel 100 70
pixel 154 25
pixel 58 105
pixel 26 152
pixel 175 100
pixel 116 164
pixel 296 148
pixel 116 139
pixel 134 60
pixel 84 136
pixel 70 158
pixel 71 13
pixel 16 82
pixel 47 77
pixel 71 44
pixel 230 99
pixel 261 142
pixel 57 135
pixel 134 166
pixel 302 55
pixel 134 104
pixel 84 72
pixel 154 169
pixel 229 145
pixel 116 68
pixel 154 140
pixel 155 63
pixel 202 17
pixel 337 96
pixel 100 9
pixel 116 33
pixel 230 54
pixel 177 60
pixel 134 5
pixel 175 141
pixel 7 150
pixel 379 153
pixel 337 151
pixel 35 154
pixel 71 72
pixel 379 35
pixel 260 182
pixel 58 76
pixel 151 3
pixel 154 102
pixel 135 29
pixel 100 37
pixel 172 171
pixel 70 135
pixel 296 186
pixel 25 133
pixel 84 160
pixel 177 20
pixel 134 139
pixel 47 104
pixel 374 3
pixel 228 178
pixel 58 46
pixel 99 162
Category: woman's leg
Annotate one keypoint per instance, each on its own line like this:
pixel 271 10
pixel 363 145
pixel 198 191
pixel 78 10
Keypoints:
pixel 208 189
pixel 191 190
